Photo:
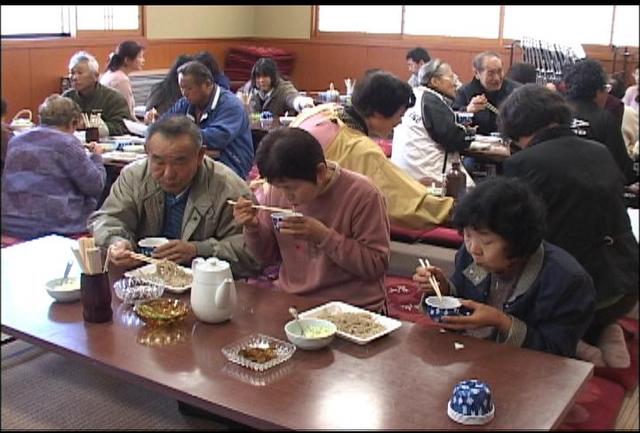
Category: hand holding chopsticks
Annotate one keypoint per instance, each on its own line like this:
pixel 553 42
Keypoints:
pixel 269 208
pixel 432 279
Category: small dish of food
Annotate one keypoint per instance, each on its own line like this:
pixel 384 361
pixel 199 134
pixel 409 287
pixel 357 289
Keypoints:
pixel 132 290
pixel 64 289
pixel 259 352
pixel 310 334
pixel 161 311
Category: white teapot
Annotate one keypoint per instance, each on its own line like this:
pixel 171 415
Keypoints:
pixel 213 292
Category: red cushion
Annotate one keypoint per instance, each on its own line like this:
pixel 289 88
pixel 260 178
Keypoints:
pixel 7 241
pixel 596 407
pixel 627 377
pixel 443 236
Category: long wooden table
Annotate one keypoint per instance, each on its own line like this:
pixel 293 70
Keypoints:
pixel 400 381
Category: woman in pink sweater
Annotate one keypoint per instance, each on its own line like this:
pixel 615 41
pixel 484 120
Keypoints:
pixel 339 248
pixel 128 57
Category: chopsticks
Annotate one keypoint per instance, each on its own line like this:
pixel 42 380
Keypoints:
pixel 259 206
pixel 432 279
pixel 143 258
pixel 91 121
pixel 492 108
pixel 89 257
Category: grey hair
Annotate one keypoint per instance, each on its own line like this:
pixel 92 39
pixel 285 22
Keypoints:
pixel 83 56
pixel 432 69
pixel 175 126
pixel 478 61
pixel 58 110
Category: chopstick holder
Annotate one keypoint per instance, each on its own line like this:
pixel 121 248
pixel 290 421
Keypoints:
pixel 432 279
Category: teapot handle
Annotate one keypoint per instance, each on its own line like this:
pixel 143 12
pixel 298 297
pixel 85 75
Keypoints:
pixel 195 262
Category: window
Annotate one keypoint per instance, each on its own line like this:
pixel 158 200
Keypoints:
pixel 565 25
pixel 31 21
pixel 625 26
pixel 452 21
pixel 372 19
pixel 562 24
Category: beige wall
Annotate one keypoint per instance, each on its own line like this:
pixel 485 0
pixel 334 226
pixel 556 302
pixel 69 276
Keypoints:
pixel 286 22
pixel 206 22
pixel 199 22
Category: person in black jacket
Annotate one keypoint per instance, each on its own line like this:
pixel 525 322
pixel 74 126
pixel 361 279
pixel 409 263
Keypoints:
pixel 585 83
pixel 487 87
pixel 582 187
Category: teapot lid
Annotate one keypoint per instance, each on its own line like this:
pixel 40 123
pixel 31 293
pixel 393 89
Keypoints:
pixel 213 264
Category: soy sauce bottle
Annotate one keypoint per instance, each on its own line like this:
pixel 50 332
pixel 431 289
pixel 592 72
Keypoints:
pixel 455 182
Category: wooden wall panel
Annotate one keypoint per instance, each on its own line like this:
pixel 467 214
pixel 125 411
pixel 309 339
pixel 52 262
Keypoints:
pixel 16 81
pixel 32 70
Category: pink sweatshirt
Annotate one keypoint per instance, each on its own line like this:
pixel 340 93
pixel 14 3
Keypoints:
pixel 350 263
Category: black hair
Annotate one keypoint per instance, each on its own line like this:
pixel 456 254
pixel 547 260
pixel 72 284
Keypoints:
pixel 165 93
pixel 383 93
pixel 209 60
pixel 126 50
pixel 617 85
pixel 265 66
pixel 584 79
pixel 508 207
pixel 530 108
pixel 176 126
pixel 200 73
pixel 291 153
pixel 523 73
pixel 417 54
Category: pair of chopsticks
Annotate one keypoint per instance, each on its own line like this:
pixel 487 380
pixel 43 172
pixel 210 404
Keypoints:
pixel 92 121
pixel 89 257
pixel 492 108
pixel 425 263
pixel 143 258
pixel 269 208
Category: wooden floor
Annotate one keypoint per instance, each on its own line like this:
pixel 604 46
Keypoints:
pixel 628 415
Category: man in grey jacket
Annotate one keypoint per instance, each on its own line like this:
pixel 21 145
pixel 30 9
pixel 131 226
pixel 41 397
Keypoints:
pixel 178 193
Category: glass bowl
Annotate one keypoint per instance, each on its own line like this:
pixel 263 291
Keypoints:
pixel 132 290
pixel 259 352
pixel 157 312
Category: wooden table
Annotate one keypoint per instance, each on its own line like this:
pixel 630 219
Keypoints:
pixel 400 381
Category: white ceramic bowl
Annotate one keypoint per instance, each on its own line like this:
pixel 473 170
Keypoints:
pixel 147 245
pixel 318 333
pixel 67 292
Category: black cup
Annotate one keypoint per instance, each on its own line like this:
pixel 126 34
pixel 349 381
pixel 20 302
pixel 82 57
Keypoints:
pixel 95 295
pixel 91 134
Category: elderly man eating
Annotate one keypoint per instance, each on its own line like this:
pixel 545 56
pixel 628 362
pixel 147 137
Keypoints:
pixel 178 193
pixel 94 98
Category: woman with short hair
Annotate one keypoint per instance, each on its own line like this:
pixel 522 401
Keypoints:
pixel 50 183
pixel 429 139
pixel 520 289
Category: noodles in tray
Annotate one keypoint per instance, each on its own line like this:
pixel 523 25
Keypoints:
pixel 170 274
pixel 361 325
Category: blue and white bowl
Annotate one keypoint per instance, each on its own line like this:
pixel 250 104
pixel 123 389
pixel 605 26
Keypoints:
pixel 278 217
pixel 437 309
pixel 147 245
pixel 471 403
